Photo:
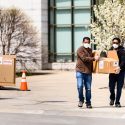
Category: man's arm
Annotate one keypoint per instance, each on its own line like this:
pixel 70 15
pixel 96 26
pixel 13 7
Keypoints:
pixel 81 54
pixel 122 64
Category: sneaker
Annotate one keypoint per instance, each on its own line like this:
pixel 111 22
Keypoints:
pixel 118 105
pixel 80 104
pixel 111 102
pixel 89 106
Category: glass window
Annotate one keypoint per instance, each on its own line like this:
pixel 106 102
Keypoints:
pixel 63 3
pixel 51 45
pixel 63 45
pixel 52 40
pixel 79 33
pixel 63 36
pixel 69 21
pixel 82 16
pixel 82 2
pixel 63 58
pixel 63 17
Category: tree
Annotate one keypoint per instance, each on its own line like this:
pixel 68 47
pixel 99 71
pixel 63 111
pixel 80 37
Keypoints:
pixel 102 1
pixel 18 36
pixel 110 23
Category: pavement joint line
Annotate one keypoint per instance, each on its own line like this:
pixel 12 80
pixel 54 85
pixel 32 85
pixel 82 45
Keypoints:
pixel 67 113
pixel 35 112
pixel 90 115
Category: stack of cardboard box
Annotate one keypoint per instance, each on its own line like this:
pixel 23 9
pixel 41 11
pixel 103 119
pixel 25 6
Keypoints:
pixel 106 64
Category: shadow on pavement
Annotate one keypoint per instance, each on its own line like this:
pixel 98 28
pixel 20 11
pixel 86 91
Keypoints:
pixel 41 102
pixel 103 88
pixel 9 88
pixel 107 88
pixel 19 74
pixel 5 98
pixel 106 107
pixel 44 73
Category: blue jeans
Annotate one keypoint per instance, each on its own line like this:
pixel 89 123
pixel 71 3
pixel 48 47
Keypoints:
pixel 84 80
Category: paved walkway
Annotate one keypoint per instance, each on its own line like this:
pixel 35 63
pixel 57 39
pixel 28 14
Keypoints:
pixel 55 93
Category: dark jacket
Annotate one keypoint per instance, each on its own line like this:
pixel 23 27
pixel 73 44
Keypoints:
pixel 84 60
pixel 121 56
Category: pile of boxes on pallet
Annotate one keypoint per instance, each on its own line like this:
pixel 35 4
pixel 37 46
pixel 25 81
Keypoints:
pixel 106 64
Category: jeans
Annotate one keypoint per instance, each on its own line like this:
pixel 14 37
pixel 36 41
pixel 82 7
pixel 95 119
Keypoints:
pixel 113 79
pixel 84 80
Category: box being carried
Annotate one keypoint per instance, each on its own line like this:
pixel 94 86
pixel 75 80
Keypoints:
pixel 7 70
pixel 106 65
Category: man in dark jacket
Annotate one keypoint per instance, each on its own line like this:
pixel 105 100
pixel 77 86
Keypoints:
pixel 84 71
pixel 118 77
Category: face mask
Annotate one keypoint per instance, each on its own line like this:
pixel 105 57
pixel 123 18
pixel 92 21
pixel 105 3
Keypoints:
pixel 115 46
pixel 87 45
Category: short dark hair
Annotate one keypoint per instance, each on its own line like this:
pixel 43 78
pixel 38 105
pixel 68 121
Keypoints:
pixel 116 38
pixel 86 38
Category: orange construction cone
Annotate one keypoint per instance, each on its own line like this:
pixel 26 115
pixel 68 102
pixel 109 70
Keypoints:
pixel 23 86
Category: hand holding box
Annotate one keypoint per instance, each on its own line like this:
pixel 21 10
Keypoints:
pixel 117 70
pixel 97 58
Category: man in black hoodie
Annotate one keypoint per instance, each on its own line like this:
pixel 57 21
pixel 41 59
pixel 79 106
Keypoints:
pixel 118 77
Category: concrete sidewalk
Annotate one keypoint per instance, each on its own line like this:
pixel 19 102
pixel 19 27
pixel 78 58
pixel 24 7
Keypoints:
pixel 55 93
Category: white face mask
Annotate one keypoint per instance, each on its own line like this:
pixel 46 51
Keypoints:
pixel 86 45
pixel 115 46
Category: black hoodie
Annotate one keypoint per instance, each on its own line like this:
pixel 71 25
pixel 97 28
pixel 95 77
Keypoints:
pixel 121 56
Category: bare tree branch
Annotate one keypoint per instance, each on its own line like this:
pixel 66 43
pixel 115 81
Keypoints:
pixel 17 35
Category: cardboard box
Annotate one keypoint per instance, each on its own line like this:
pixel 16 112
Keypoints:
pixel 95 67
pixel 96 53
pixel 112 54
pixel 7 70
pixel 106 65
pixel 95 63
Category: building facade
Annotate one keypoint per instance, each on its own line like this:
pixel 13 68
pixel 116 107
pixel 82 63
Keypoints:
pixel 62 24
pixel 69 22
